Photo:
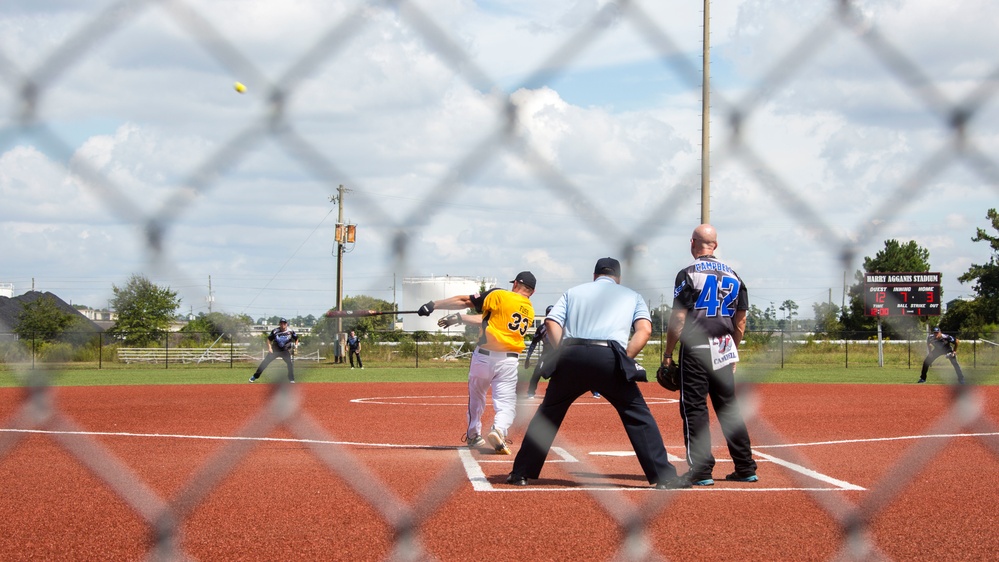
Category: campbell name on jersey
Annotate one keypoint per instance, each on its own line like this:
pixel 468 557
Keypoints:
pixel 711 292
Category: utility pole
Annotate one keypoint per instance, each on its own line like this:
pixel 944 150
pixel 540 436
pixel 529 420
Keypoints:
pixel 662 324
pixel 706 118
pixel 211 295
pixel 344 235
pixel 844 290
pixel 338 199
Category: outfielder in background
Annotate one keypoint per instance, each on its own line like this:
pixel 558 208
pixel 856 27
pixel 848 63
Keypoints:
pixel 281 342
pixel 710 304
pixel 505 317
pixel 354 349
pixel 938 344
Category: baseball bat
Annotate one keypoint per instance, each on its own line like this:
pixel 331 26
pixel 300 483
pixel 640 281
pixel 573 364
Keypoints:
pixel 357 313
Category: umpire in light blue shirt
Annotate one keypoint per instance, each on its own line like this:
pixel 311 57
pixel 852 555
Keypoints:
pixel 591 325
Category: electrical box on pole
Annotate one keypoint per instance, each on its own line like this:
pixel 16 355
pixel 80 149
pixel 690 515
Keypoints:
pixel 344 234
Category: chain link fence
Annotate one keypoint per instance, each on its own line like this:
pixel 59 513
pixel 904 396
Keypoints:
pixel 761 348
pixel 84 350
pixel 28 119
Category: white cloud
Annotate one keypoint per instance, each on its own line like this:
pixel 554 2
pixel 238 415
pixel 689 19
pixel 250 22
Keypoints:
pixel 147 106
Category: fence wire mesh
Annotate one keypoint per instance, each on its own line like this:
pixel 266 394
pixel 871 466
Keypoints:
pixel 28 88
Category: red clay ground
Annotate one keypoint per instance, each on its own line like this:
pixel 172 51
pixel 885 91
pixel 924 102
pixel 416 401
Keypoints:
pixel 281 502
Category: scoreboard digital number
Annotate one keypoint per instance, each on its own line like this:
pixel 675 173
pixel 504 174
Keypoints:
pixel 898 294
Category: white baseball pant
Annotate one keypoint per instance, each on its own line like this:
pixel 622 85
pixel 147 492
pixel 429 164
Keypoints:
pixel 496 370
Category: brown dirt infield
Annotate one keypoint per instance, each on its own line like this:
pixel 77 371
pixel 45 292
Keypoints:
pixel 818 446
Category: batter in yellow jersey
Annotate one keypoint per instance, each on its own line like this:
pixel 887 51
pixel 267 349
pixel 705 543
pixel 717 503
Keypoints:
pixel 505 317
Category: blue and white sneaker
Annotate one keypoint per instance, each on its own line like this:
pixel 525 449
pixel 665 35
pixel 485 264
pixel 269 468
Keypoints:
pixel 734 477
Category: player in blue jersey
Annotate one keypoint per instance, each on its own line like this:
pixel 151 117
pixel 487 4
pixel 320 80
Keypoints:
pixel 710 304
pixel 939 344
pixel 281 343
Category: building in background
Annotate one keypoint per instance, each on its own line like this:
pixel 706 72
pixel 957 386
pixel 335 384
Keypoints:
pixel 417 291
pixel 103 318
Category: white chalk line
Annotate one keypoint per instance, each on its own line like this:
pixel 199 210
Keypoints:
pixel 477 477
pixel 834 483
pixel 230 438
pixel 875 440
pixel 463 401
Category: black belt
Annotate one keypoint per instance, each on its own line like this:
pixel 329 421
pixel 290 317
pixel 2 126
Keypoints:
pixel 487 352
pixel 581 341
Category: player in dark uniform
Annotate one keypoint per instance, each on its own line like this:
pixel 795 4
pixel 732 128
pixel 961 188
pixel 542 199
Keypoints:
pixel 937 344
pixel 354 349
pixel 540 339
pixel 281 342
pixel 709 318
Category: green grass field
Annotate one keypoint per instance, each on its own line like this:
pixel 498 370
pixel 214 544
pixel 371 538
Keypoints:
pixel 776 361
pixel 450 372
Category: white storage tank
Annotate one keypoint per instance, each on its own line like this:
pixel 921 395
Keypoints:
pixel 417 291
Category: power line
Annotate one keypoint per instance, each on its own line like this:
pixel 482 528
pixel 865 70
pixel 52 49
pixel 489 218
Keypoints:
pixel 286 262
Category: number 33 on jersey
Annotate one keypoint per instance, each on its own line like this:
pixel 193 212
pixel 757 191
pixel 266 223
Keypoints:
pixel 506 317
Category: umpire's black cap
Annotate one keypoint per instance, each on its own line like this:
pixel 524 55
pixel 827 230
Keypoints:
pixel 607 266
pixel 526 278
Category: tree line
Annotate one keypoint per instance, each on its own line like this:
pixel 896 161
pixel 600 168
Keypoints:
pixel 145 310
pixel 971 318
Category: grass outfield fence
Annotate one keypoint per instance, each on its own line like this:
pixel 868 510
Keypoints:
pixel 88 349
pixel 775 350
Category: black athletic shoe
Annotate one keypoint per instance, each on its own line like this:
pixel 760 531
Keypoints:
pixel 736 477
pixel 516 480
pixel 920 381
pixel 681 483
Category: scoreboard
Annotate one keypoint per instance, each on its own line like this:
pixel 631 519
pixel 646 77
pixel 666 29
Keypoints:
pixel 897 294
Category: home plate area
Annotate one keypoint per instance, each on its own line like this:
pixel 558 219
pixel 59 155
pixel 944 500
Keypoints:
pixel 619 470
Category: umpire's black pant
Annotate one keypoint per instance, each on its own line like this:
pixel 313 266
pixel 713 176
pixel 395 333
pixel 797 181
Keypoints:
pixel 586 368
pixel 283 354
pixel 698 380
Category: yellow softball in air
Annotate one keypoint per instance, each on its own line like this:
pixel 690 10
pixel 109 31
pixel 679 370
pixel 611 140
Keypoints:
pixel 239 87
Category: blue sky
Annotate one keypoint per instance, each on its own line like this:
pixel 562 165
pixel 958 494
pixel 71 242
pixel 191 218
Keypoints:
pixel 391 116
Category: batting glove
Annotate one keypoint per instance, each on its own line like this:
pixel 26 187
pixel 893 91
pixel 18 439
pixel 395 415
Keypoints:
pixel 449 320
pixel 427 309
